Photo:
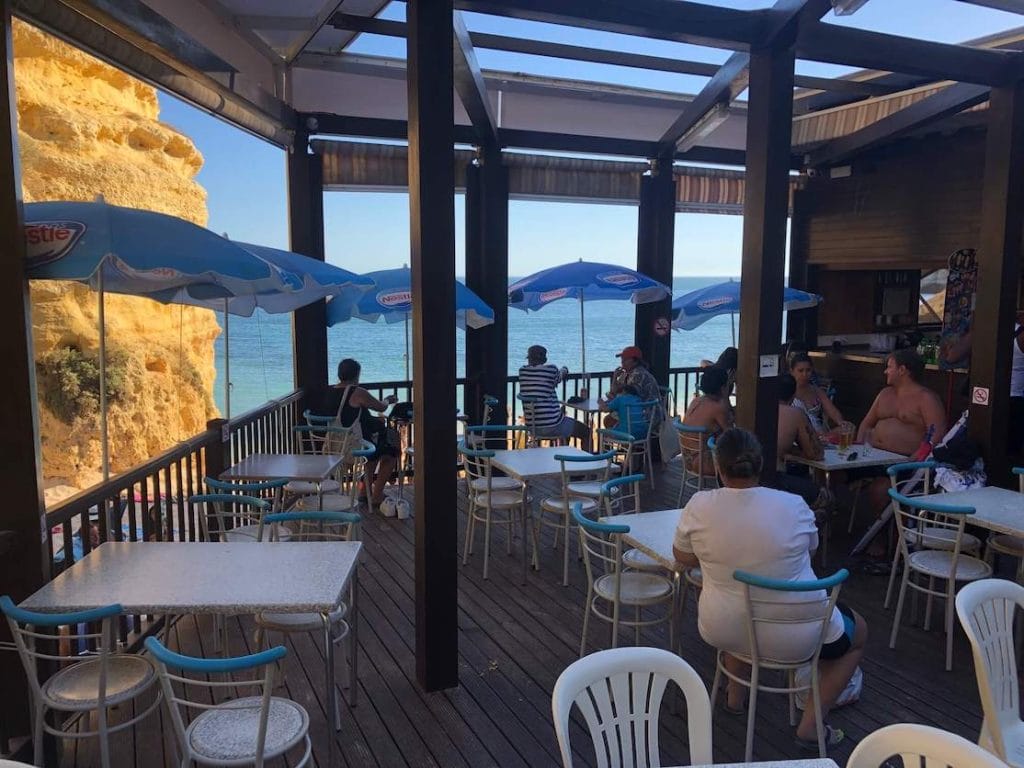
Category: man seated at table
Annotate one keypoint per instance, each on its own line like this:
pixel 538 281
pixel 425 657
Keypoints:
pixel 629 416
pixel 796 436
pixel 906 418
pixel 633 372
pixel 538 382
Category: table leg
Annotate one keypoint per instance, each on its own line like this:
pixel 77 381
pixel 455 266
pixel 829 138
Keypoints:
pixel 353 640
pixel 331 701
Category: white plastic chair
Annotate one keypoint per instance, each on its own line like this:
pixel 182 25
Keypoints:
pixel 620 692
pixel 764 610
pixel 986 611
pixel 920 746
pixel 918 523
pixel 238 731
pixel 93 682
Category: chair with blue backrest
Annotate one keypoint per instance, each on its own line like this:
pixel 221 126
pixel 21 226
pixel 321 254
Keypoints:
pixel 577 486
pixel 810 617
pixel 230 517
pixel 92 682
pixel 308 526
pixel 489 495
pixel 619 692
pixel 268 490
pixel 318 440
pixel 346 498
pixel 610 587
pixel 694 450
pixel 917 522
pixel 986 609
pixel 534 438
pixel 916 478
pixel 642 418
pixel 238 731
pixel 496 436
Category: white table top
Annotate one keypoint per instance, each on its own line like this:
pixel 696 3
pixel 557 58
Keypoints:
pixel 202 577
pixel 651 532
pixel 527 463
pixel 834 462
pixel 997 509
pixel 292 466
pixel 590 405
pixel 817 762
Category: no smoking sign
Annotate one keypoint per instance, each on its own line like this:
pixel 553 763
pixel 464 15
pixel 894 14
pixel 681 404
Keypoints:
pixel 979 396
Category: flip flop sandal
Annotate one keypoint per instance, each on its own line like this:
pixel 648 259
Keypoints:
pixel 833 738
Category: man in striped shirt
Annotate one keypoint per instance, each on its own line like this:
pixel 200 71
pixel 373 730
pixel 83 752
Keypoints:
pixel 538 380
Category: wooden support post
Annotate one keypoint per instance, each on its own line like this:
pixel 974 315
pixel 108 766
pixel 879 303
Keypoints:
pixel 769 125
pixel 432 213
pixel 999 254
pixel 801 324
pixel 654 257
pixel 487 350
pixel 306 231
pixel 24 566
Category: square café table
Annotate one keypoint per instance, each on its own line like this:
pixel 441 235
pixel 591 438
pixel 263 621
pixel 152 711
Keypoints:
pixel 305 467
pixel 227 579
pixel 996 509
pixel 526 464
pixel 652 533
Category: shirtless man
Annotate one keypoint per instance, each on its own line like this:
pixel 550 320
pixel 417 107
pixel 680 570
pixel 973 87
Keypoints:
pixel 899 419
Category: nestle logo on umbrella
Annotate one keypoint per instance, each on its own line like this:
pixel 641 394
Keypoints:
pixel 394 298
pixel 620 279
pixel 47 241
pixel 558 293
pixel 709 304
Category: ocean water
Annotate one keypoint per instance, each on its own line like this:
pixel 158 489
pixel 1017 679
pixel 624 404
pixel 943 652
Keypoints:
pixel 261 346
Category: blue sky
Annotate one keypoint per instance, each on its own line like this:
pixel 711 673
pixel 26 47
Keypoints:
pixel 245 177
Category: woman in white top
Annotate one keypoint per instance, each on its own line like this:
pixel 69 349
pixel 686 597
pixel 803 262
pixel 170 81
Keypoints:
pixel 743 526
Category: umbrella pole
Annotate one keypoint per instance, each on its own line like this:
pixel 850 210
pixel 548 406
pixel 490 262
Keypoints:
pixel 583 335
pixel 227 363
pixel 406 324
pixel 104 435
pixel 732 318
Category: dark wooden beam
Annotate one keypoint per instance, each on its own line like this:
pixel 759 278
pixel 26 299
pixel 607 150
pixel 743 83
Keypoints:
pixel 677 20
pixel 432 230
pixel 654 258
pixel 999 255
pixel 483 40
pixel 1010 6
pixel 790 14
pixel 938 61
pixel 728 82
pixel 801 324
pixel 769 127
pixel 469 83
pixel 25 565
pixel 487 352
pixel 306 235
pixel 892 82
pixel 949 101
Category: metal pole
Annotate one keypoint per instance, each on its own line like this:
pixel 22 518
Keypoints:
pixel 732 318
pixel 104 436
pixel 405 323
pixel 227 363
pixel 583 334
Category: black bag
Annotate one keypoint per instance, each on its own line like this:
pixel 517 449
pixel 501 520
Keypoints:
pixel 960 451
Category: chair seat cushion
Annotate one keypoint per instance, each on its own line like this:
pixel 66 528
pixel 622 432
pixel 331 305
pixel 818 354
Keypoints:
pixel 588 488
pixel 497 484
pixel 304 487
pixel 499 499
pixel 228 732
pixel 77 687
pixel 939 563
pixel 557 504
pixel 332 502
pixel 1006 544
pixel 637 588
pixel 640 561
pixel 299 622
pixel 934 537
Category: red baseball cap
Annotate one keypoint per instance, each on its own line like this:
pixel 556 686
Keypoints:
pixel 633 352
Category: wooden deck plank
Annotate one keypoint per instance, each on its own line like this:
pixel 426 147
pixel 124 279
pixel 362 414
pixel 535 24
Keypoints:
pixel 516 639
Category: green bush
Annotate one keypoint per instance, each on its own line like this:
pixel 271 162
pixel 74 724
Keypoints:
pixel 68 381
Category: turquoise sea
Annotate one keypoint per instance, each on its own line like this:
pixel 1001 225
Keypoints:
pixel 261 346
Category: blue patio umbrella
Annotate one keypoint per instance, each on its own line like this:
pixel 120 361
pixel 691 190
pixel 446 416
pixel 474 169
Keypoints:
pixel 584 281
pixel 697 307
pixel 141 253
pixel 391 300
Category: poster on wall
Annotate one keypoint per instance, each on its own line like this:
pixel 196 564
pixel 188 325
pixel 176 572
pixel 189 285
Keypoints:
pixel 961 286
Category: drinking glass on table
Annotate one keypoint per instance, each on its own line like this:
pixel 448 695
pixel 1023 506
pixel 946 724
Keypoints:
pixel 846 432
pixel 868 445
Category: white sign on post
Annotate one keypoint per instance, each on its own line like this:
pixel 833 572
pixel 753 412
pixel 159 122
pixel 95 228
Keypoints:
pixel 769 366
pixel 979 396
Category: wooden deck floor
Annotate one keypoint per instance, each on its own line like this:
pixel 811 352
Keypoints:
pixel 515 640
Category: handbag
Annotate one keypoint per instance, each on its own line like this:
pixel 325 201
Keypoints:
pixel 343 443
pixel 668 440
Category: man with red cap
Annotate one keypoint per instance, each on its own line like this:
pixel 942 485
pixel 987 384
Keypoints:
pixel 633 372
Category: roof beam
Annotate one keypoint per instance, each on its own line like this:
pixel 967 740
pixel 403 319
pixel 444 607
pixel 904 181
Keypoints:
pixel 483 40
pixel 727 83
pixel 469 83
pixel 327 10
pixel 1010 6
pixel 937 61
pixel 947 102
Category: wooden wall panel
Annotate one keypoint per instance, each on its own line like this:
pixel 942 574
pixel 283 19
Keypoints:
pixel 910 204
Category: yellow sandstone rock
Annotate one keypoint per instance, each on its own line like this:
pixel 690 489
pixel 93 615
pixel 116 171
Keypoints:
pixel 87 129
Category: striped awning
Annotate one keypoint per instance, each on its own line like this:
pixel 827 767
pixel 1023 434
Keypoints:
pixel 350 165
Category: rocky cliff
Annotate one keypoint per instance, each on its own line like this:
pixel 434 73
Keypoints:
pixel 87 129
